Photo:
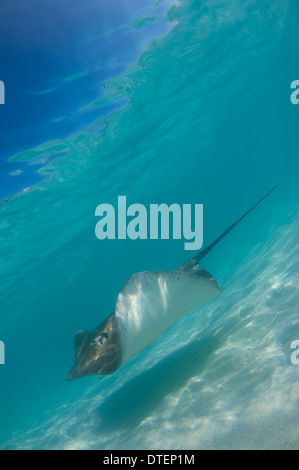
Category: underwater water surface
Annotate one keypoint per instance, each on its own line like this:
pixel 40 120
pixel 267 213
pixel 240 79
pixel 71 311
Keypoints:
pixel 198 112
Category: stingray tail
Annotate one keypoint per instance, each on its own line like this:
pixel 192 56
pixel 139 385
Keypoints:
pixel 195 261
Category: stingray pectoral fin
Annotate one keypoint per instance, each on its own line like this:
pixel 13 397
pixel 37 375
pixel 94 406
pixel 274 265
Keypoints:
pixel 79 340
pixel 150 302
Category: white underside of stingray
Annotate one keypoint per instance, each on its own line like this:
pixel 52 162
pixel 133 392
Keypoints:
pixel 150 302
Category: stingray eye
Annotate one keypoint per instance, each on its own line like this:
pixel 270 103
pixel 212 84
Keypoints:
pixel 103 338
pixel 99 340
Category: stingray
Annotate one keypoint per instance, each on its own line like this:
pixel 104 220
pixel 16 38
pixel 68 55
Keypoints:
pixel 148 304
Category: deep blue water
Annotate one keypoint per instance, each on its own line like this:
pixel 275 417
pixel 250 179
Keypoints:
pixel 55 57
pixel 182 103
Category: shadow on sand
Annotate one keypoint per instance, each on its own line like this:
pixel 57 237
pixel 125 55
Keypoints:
pixel 138 398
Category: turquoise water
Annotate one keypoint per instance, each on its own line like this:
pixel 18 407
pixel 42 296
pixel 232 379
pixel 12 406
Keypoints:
pixel 202 116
